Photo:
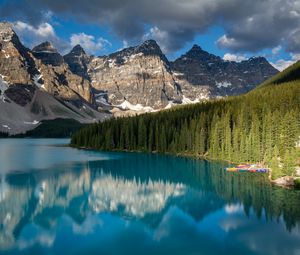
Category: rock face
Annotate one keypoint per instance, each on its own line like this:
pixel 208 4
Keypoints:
pixel 78 62
pixel 47 54
pixel 37 85
pixel 200 68
pixel 17 65
pixel 134 80
pixel 56 77
pixel 140 75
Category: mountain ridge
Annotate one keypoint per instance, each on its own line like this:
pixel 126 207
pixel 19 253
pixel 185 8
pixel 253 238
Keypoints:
pixel 260 126
pixel 136 79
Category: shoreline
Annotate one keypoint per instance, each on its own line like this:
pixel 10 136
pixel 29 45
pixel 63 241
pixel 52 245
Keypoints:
pixel 286 182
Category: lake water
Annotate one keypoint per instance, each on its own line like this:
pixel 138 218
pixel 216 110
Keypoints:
pixel 59 200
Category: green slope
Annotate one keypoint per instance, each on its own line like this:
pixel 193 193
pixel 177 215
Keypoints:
pixel 261 126
pixel 290 74
pixel 57 128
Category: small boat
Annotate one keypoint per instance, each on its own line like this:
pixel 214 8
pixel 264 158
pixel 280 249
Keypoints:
pixel 250 168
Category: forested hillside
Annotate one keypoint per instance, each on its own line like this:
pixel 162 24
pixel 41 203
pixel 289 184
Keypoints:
pixel 261 126
pixel 292 73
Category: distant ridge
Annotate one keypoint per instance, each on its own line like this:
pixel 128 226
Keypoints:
pixel 292 73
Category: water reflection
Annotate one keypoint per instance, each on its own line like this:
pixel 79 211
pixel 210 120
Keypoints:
pixel 145 204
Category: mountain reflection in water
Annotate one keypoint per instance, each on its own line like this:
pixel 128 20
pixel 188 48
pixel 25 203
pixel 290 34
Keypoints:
pixel 128 203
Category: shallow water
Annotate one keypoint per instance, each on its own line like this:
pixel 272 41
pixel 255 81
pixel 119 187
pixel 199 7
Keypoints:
pixel 59 200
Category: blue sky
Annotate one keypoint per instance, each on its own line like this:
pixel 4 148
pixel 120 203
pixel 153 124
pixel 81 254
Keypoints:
pixel 231 29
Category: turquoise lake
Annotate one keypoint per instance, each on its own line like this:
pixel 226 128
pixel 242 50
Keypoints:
pixel 59 200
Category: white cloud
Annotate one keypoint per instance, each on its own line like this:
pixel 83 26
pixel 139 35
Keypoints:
pixel 125 44
pixel 89 42
pixel 88 226
pixel 255 25
pixel 39 236
pixel 34 35
pixel 160 36
pixel 276 50
pixel 44 30
pixel 282 64
pixel 233 208
pixel 234 57
pixel 226 42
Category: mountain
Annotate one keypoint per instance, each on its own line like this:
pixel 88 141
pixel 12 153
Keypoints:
pixel 142 76
pixel 78 62
pixel 260 126
pixel 290 74
pixel 198 68
pixel 37 85
pixel 56 77
pixel 139 75
pixel 133 80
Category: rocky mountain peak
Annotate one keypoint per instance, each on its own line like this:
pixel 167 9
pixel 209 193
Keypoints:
pixel 197 53
pixel 196 48
pixel 48 54
pixel 200 68
pixel 8 37
pixel 45 47
pixel 16 62
pixel 77 50
pixel 147 48
pixel 78 60
pixel 150 47
pixel 6 31
pixel 258 60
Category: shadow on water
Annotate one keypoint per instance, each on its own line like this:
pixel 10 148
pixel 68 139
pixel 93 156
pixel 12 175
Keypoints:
pixel 141 190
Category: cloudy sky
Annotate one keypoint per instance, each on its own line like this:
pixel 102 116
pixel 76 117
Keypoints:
pixel 232 29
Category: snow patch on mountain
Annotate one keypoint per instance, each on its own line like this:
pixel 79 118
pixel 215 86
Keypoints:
pixel 101 98
pixel 223 84
pixel 36 79
pixel 35 122
pixel 3 87
pixel 186 100
pixel 6 126
pixel 138 107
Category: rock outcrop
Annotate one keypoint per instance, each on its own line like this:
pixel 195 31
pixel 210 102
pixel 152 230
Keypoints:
pixel 56 77
pixel 78 62
pixel 48 54
pixel 199 68
pixel 140 75
pixel 17 64
pixel 133 80
pixel 38 84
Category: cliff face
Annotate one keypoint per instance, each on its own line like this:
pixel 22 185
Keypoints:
pixel 140 75
pixel 199 68
pixel 17 64
pixel 56 77
pixel 78 61
pixel 37 85
pixel 134 80
pixel 143 75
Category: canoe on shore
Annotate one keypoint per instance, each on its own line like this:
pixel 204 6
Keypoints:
pixel 248 168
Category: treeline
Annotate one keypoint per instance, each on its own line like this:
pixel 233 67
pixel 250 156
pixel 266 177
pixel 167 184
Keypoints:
pixel 292 73
pixel 262 126
pixel 57 128
pixel 4 135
